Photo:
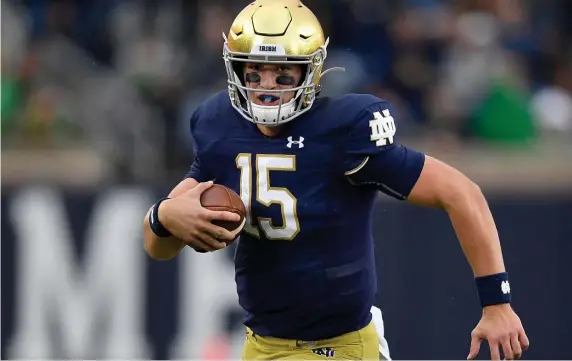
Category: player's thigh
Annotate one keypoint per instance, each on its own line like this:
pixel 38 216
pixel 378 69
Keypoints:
pixel 345 352
pixel 258 348
pixel 358 345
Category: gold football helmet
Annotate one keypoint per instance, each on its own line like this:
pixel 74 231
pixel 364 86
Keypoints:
pixel 275 32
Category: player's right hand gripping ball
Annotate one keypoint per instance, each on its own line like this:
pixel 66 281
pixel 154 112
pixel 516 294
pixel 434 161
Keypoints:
pixel 221 198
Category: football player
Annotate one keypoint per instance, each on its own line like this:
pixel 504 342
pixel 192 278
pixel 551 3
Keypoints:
pixel 308 169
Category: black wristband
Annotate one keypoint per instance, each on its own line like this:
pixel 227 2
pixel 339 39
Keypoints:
pixel 156 226
pixel 493 289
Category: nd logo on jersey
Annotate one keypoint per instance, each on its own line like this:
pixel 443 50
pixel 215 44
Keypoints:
pixel 382 128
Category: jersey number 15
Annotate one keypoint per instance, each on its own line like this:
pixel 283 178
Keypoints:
pixel 261 192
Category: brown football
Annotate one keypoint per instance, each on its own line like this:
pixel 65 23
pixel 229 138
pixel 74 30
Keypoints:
pixel 221 198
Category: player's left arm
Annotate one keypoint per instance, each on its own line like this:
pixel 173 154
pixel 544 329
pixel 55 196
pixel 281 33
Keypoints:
pixel 442 186
pixel 409 175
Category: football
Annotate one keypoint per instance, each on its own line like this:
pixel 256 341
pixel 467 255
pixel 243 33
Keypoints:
pixel 221 198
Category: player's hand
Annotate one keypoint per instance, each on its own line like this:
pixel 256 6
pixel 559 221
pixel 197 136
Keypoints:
pixel 502 328
pixel 188 220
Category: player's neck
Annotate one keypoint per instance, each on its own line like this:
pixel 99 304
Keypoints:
pixel 269 131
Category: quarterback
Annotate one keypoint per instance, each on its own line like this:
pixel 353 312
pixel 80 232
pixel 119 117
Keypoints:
pixel 308 169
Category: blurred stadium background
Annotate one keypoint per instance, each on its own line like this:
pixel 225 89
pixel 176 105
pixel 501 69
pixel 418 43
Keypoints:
pixel 96 97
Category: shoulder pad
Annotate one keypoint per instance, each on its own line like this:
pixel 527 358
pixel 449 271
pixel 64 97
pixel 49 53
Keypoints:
pixel 211 107
pixel 358 100
pixel 373 129
pixel 351 105
pixel 208 116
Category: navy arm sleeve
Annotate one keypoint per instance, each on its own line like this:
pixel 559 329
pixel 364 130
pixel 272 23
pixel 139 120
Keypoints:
pixel 373 157
pixel 198 171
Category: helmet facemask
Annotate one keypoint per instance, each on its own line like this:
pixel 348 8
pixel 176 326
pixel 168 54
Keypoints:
pixel 304 93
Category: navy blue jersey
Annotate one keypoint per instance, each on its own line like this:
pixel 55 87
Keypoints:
pixel 305 259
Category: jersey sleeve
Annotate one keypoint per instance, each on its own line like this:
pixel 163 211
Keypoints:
pixel 197 171
pixel 373 156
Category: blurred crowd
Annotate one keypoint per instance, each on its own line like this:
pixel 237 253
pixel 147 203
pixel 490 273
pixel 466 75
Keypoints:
pixel 121 77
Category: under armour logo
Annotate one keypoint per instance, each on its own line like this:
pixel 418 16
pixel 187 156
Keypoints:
pixel 505 287
pixel 299 143
pixel 382 128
